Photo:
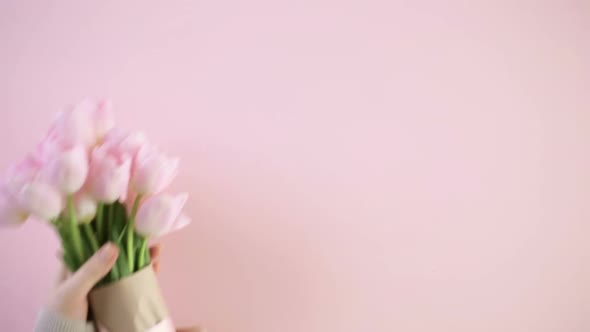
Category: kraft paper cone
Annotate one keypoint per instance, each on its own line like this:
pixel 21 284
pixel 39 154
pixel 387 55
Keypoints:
pixel 133 304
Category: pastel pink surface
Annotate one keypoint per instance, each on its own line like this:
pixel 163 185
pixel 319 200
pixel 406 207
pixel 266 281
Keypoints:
pixel 353 165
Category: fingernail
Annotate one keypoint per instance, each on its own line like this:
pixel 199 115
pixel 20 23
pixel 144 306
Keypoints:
pixel 107 252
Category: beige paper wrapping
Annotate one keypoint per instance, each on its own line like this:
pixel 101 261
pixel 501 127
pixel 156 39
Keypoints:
pixel 133 304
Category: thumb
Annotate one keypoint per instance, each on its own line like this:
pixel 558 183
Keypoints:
pixel 82 281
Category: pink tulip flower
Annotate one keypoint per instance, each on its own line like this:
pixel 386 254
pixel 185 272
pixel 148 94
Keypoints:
pixel 11 214
pixel 109 176
pixel 21 173
pixel 103 119
pixel 68 170
pixel 41 200
pixel 153 171
pixel 85 207
pixel 86 124
pixel 74 125
pixel 46 150
pixel 161 214
pixel 124 144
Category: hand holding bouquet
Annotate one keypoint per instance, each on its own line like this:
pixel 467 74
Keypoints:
pixel 95 183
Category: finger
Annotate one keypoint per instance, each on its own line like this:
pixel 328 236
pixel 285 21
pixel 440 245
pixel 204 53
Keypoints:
pixel 63 271
pixel 93 270
pixel 63 275
pixel 155 251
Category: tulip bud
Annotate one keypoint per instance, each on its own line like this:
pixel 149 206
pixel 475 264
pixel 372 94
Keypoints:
pixel 85 208
pixel 153 171
pixel 85 123
pixel 11 214
pixel 124 144
pixel 109 176
pixel 161 214
pixel 68 170
pixel 21 173
pixel 104 120
pixel 74 126
pixel 41 200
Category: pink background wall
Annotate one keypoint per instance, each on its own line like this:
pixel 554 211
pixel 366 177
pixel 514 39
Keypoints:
pixel 354 165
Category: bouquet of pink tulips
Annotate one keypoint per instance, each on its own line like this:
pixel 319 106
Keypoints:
pixel 95 183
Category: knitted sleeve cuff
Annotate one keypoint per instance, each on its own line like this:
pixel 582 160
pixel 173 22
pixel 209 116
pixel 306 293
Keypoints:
pixel 51 322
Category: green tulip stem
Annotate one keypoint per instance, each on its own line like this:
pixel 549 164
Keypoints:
pixel 142 254
pixel 110 219
pixel 100 231
pixel 91 237
pixel 75 232
pixel 130 235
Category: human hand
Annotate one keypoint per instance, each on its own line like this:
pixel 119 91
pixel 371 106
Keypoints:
pixel 70 297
